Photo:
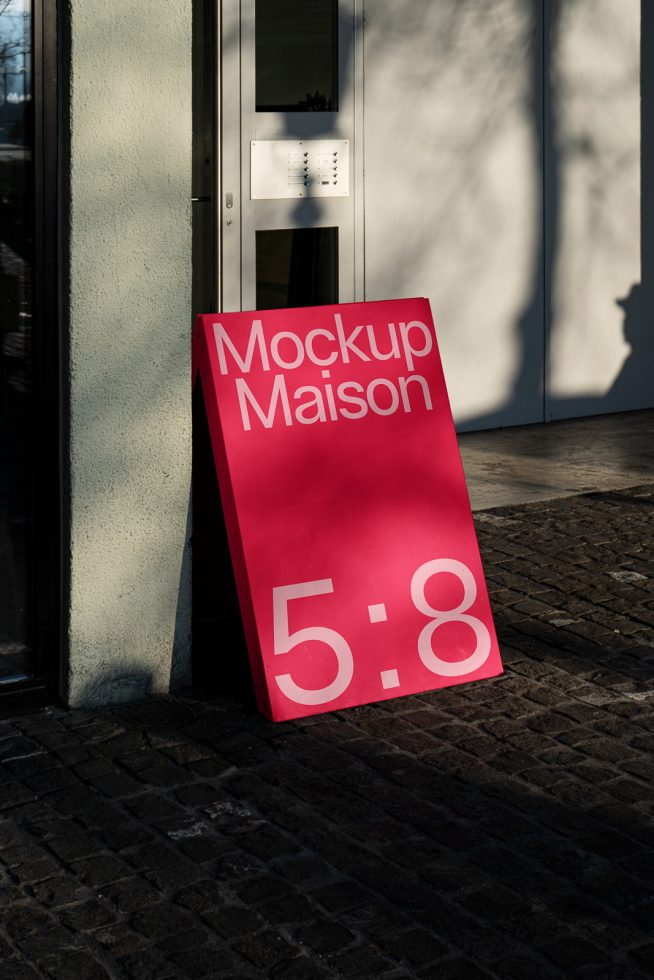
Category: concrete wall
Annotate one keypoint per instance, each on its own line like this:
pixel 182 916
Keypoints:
pixel 130 328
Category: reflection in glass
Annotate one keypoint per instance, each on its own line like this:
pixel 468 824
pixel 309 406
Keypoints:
pixel 296 55
pixel 16 237
pixel 297 267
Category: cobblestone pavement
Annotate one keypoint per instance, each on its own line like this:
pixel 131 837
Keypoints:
pixel 499 829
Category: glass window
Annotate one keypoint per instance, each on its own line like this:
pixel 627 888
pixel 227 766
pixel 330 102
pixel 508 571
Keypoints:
pixel 297 267
pixel 296 55
pixel 16 260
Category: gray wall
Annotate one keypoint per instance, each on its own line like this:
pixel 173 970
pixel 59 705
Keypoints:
pixel 130 329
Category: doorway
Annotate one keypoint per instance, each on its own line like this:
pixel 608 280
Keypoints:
pixel 278 222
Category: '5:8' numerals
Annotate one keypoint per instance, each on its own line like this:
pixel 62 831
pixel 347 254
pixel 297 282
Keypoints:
pixel 284 640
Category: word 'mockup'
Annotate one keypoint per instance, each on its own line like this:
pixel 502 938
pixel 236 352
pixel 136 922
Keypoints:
pixel 308 404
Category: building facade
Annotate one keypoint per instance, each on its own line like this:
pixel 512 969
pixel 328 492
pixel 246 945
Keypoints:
pixel 492 155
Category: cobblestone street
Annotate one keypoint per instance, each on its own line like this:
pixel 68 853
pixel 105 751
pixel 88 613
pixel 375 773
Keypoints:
pixel 500 829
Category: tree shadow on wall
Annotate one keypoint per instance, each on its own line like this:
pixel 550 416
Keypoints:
pixel 536 325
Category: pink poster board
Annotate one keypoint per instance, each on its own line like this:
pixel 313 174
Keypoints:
pixel 354 550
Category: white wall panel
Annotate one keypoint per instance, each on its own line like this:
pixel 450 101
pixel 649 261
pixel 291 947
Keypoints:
pixel 453 189
pixel 594 162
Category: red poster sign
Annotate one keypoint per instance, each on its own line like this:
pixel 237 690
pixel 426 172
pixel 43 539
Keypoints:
pixel 355 555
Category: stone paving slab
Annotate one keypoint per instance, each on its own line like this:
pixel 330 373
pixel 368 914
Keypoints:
pixel 547 460
pixel 500 829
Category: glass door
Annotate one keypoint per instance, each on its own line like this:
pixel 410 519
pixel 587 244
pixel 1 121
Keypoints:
pixel 16 338
pixel 29 516
pixel 290 178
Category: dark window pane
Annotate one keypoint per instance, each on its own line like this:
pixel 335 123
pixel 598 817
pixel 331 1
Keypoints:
pixel 16 238
pixel 297 55
pixel 297 267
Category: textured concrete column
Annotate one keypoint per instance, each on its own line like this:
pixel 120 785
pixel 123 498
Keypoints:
pixel 129 370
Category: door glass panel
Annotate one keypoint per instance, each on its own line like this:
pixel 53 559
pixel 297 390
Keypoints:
pixel 16 243
pixel 297 267
pixel 296 55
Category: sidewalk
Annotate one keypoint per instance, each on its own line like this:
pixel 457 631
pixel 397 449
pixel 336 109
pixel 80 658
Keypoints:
pixel 557 459
pixel 500 829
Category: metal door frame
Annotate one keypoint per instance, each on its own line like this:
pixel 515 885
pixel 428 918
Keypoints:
pixel 237 217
